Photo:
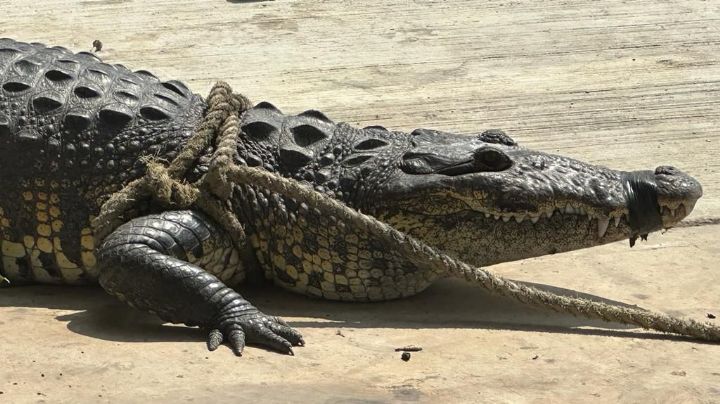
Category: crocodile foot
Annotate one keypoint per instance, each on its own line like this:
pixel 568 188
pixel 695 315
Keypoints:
pixel 256 329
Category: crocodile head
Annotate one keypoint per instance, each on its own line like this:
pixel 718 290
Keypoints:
pixel 486 200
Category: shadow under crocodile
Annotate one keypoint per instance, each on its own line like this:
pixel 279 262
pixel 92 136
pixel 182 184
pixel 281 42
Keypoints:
pixel 447 304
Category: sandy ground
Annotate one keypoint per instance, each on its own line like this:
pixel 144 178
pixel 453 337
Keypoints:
pixel 631 85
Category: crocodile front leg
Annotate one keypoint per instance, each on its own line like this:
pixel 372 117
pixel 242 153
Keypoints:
pixel 150 263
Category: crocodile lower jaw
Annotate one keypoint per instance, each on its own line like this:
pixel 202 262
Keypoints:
pixel 670 214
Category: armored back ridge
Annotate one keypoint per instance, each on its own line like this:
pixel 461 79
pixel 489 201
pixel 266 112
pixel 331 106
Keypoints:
pixel 72 130
pixel 343 162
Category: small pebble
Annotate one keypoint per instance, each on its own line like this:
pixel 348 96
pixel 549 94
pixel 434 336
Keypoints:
pixel 97 45
pixel 405 356
pixel 711 316
pixel 678 373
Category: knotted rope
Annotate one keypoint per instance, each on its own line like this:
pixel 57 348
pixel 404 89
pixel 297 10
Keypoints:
pixel 166 186
pixel 211 194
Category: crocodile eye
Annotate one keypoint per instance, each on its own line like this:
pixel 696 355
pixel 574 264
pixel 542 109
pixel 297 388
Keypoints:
pixel 496 136
pixel 491 159
pixel 416 165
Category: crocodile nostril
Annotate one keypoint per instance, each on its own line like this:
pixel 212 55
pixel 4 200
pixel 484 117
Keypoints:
pixel 667 170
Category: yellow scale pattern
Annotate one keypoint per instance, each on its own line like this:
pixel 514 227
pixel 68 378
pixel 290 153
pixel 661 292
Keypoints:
pixel 46 239
pixel 305 250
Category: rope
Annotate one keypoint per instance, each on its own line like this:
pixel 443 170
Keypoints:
pixel 165 186
pixel 696 222
pixel 212 192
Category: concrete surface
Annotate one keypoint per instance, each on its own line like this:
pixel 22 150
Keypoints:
pixel 629 84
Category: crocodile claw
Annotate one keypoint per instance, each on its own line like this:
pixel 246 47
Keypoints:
pixel 256 329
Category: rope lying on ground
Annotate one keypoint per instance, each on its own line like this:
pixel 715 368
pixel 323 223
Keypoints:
pixel 210 194
pixel 701 221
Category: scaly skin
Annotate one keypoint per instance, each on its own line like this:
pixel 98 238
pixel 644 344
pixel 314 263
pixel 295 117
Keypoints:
pixel 73 131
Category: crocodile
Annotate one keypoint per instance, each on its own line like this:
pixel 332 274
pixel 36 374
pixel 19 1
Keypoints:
pixel 75 130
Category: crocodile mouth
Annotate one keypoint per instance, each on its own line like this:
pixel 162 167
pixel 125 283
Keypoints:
pixel 615 225
pixel 494 223
pixel 484 237
pixel 644 201
pixel 674 213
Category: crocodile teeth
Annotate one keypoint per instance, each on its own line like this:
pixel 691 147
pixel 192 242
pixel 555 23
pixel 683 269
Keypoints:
pixel 487 215
pixel 534 219
pixel 506 218
pixel 617 221
pixel 603 223
pixel 550 214
pixel 680 211
pixel 519 218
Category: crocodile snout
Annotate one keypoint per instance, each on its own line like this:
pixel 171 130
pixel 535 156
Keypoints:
pixel 675 188
pixel 660 198
pixel 677 194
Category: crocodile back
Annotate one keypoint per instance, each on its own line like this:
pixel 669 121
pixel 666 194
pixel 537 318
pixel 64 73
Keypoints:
pixel 72 130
